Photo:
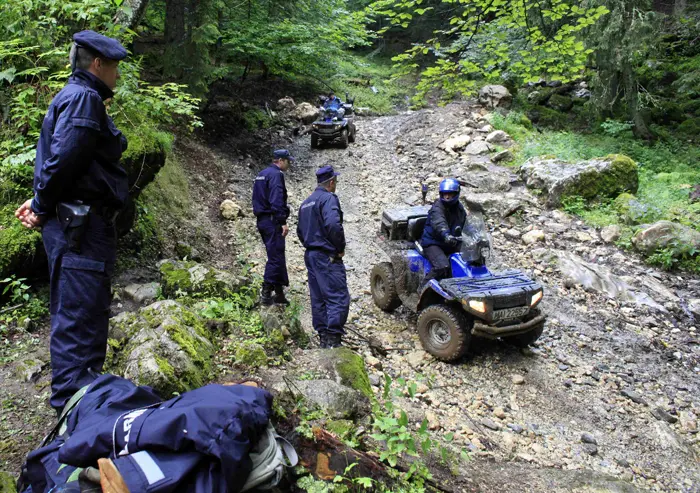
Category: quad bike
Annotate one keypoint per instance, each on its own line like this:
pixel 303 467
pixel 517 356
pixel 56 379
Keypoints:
pixel 474 302
pixel 335 125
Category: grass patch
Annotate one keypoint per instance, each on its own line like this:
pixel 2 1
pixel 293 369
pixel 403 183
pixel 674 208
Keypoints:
pixel 668 170
pixel 360 74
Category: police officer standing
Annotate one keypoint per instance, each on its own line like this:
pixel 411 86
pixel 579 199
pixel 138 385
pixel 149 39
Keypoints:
pixel 79 187
pixel 320 230
pixel 270 208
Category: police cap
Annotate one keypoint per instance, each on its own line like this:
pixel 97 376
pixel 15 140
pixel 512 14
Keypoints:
pixel 102 45
pixel 325 173
pixel 282 154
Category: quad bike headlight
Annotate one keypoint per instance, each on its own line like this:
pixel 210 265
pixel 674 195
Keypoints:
pixel 315 127
pixel 536 298
pixel 477 306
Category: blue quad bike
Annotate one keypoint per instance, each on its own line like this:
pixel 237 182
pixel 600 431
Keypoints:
pixel 332 126
pixel 474 302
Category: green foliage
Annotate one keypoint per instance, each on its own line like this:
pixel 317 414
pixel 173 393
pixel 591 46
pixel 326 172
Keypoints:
pixel 369 81
pixel 616 128
pixel 487 40
pixel 256 119
pixel 21 302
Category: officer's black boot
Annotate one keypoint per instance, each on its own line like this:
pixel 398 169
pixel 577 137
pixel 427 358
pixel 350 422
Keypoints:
pixel 280 298
pixel 322 340
pixel 333 341
pixel 266 295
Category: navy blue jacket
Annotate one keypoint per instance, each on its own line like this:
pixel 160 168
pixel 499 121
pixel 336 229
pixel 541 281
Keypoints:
pixel 320 225
pixel 196 442
pixel 79 149
pixel 270 194
pixel 442 221
pixel 335 103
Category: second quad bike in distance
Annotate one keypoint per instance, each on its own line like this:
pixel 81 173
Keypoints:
pixel 335 126
pixel 474 302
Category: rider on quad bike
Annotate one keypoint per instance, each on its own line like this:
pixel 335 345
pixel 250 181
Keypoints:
pixel 443 230
pixel 335 103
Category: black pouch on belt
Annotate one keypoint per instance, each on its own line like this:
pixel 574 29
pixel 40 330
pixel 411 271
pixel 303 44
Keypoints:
pixel 73 218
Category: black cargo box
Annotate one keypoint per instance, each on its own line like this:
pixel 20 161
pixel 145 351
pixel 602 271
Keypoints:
pixel 395 221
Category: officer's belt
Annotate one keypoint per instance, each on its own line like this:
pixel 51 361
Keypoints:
pixel 109 214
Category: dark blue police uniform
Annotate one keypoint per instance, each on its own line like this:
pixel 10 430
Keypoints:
pixel 77 159
pixel 270 208
pixel 320 229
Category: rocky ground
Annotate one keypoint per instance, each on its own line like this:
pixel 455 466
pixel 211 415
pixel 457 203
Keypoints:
pixel 609 394
pixel 607 400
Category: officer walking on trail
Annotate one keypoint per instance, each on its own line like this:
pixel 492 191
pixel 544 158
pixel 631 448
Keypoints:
pixel 270 207
pixel 320 230
pixel 79 187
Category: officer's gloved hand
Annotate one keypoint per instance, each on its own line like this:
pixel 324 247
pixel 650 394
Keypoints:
pixel 451 240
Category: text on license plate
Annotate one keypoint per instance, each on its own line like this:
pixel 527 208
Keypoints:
pixel 508 313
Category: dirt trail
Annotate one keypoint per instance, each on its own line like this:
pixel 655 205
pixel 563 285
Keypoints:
pixel 600 369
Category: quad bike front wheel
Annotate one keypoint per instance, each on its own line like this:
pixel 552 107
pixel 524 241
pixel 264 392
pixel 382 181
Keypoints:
pixel 444 332
pixel 314 141
pixel 526 339
pixel 344 139
pixel 383 287
pixel 351 136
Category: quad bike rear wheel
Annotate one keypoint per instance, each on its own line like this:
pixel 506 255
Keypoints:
pixel 444 332
pixel 314 141
pixel 526 339
pixel 383 287
pixel 344 138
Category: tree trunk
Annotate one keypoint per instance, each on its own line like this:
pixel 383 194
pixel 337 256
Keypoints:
pixel 133 18
pixel 641 129
pixel 679 7
pixel 175 21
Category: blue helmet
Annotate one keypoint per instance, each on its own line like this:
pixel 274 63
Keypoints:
pixel 449 185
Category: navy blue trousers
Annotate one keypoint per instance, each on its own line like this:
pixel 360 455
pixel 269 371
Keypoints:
pixel 81 294
pixel 328 287
pixel 276 267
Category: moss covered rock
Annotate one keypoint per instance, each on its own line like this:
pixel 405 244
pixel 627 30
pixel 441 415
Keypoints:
pixel 20 248
pixel 7 482
pixel 559 102
pixel 603 177
pixel 164 345
pixel 632 211
pixel 666 235
pixel 284 320
pixel 350 368
pixel 188 278
pixel 250 354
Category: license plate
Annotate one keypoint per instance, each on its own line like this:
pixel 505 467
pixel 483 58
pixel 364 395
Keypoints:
pixel 508 313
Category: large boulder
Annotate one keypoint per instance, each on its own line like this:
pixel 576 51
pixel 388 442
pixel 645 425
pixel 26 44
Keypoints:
pixel 603 177
pixel 286 104
pixel 335 380
pixel 487 177
pixel 187 278
pixel 498 205
pixel 230 210
pixel 335 400
pixel 598 278
pixel 676 237
pixel 306 113
pixel 455 143
pixel 164 345
pixel 495 96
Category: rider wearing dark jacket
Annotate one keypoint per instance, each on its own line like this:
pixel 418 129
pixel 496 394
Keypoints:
pixel 441 234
